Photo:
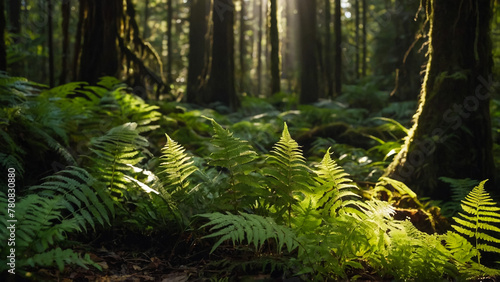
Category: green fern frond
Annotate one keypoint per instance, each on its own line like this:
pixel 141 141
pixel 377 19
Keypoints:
pixel 60 258
pixel 288 175
pixel 176 166
pixel 115 153
pixel 237 157
pixel 334 185
pixel 254 229
pixel 480 215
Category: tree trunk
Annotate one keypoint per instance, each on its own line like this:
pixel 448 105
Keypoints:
pixel 242 47
pixel 99 52
pixel 309 90
pixel 198 50
pixel 15 28
pixel 170 56
pixel 452 132
pixel 65 11
pixel 222 76
pixel 356 38
pixel 259 48
pixel 338 49
pixel 50 43
pixel 145 27
pixel 275 59
pixel 364 47
pixel 328 51
pixel 3 51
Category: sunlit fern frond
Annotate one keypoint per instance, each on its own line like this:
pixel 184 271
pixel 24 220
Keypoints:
pixel 254 229
pixel 287 173
pixel 116 153
pixel 479 219
pixel 175 167
pixel 236 156
pixel 333 185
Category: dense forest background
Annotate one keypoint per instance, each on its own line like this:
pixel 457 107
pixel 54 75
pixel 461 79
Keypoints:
pixel 250 139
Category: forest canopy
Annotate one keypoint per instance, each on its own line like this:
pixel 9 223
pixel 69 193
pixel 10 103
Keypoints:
pixel 249 140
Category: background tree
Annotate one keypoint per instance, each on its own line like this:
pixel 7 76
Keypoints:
pixel 198 50
pixel 452 135
pixel 222 77
pixel 3 51
pixel 275 47
pixel 309 89
pixel 338 48
pixel 66 14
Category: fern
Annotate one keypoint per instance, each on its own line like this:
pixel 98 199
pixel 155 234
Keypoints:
pixel 459 189
pixel 333 185
pixel 287 173
pixel 237 157
pixel 176 166
pixel 62 204
pixel 115 155
pixel 253 229
pixel 480 215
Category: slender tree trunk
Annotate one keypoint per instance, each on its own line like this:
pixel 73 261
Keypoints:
pixel 198 51
pixel 338 49
pixel 3 51
pixel 452 135
pixel 363 30
pixel 16 29
pixel 65 11
pixel 170 57
pixel 356 38
pixel 259 48
pixel 78 38
pixel 50 44
pixel 275 59
pixel 145 27
pixel 328 51
pixel 309 89
pixel 222 77
pixel 242 47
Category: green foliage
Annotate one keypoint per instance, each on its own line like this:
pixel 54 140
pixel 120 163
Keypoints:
pixel 479 217
pixel 116 153
pixel 287 174
pixel 237 157
pixel 62 204
pixel 459 189
pixel 255 229
pixel 176 166
pixel 333 185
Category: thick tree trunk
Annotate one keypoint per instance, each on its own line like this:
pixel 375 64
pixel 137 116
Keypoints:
pixel 243 45
pixel 222 77
pixel 65 11
pixel 259 48
pixel 452 132
pixel 50 43
pixel 338 49
pixel 99 52
pixel 356 38
pixel 198 50
pixel 3 51
pixel 275 58
pixel 309 89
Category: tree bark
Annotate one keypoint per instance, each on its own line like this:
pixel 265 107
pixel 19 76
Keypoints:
pixel 309 89
pixel 3 49
pixel 259 48
pixel 170 56
pixel 328 51
pixel 222 77
pixel 198 50
pixel 338 49
pixel 65 11
pixel 16 29
pixel 356 38
pixel 452 135
pixel 275 59
pixel 50 43
pixel 242 47
pixel 364 46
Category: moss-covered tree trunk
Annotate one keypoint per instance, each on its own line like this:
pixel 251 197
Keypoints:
pixel 452 132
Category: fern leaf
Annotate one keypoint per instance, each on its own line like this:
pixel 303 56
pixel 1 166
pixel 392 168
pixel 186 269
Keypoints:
pixel 333 185
pixel 287 174
pixel 253 229
pixel 480 215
